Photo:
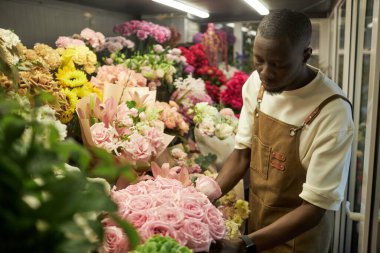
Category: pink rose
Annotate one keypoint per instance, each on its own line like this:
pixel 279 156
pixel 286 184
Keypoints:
pixel 114 241
pixel 140 203
pixel 213 217
pixel 173 216
pixel 138 219
pixel 152 228
pixel 197 234
pixel 191 207
pixel 209 187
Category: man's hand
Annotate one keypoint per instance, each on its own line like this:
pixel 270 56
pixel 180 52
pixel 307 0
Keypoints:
pixel 228 246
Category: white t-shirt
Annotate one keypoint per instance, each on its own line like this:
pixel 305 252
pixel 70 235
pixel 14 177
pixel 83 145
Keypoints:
pixel 325 145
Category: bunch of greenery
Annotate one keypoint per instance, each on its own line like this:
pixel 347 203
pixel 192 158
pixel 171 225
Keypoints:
pixel 45 206
pixel 160 244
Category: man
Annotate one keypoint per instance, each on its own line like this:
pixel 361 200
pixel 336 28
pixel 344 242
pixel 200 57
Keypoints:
pixel 295 134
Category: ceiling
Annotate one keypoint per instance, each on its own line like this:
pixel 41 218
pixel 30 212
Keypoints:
pixel 220 10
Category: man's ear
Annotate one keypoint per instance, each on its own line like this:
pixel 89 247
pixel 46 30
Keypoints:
pixel 307 54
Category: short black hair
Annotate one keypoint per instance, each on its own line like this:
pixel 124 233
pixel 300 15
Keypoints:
pixel 286 23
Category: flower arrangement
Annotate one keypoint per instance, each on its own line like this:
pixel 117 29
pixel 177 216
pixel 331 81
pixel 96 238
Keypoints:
pixel 215 131
pixel 158 244
pixel 165 207
pixel 9 54
pixel 189 92
pixel 232 95
pixel 127 131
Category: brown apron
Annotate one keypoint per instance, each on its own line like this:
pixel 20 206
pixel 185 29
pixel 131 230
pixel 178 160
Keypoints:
pixel 276 179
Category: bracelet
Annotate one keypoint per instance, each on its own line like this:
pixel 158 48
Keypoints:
pixel 250 246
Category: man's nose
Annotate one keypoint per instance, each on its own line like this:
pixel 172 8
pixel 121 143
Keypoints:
pixel 266 72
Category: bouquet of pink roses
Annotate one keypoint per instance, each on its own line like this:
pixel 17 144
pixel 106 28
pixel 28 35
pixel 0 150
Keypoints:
pixel 166 207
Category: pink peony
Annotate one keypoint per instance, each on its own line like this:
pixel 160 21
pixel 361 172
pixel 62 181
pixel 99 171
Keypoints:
pixel 209 187
pixel 114 240
pixel 139 148
pixel 101 134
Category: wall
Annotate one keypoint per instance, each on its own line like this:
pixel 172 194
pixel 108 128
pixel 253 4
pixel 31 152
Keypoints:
pixel 44 20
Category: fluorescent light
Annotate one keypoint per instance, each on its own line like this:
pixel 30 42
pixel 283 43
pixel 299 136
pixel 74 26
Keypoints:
pixel 244 29
pixel 183 7
pixel 252 33
pixel 232 25
pixel 258 6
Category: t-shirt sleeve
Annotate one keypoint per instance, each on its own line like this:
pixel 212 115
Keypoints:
pixel 327 172
pixel 244 133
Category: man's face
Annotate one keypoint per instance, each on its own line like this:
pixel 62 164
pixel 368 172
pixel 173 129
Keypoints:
pixel 278 62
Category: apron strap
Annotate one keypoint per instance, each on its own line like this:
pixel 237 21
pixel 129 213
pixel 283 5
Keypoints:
pixel 260 96
pixel 317 110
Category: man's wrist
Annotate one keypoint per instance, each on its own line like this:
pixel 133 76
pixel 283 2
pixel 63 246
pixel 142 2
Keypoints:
pixel 249 245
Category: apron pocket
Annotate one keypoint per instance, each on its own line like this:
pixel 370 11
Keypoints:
pixel 260 155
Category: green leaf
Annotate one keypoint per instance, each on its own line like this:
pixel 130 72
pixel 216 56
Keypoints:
pixel 131 104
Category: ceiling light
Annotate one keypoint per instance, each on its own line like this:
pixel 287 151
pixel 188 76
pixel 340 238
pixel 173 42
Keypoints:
pixel 244 29
pixel 184 7
pixel 232 25
pixel 258 6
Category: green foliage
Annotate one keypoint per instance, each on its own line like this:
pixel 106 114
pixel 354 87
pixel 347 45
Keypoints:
pixel 205 161
pixel 45 206
pixel 160 244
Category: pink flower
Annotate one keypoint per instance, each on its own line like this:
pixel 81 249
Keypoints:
pixel 139 148
pixel 139 203
pixel 122 115
pixel 213 217
pixel 152 228
pixel 227 112
pixel 138 219
pixel 191 207
pixel 209 187
pixel 171 215
pixel 64 42
pixel 114 240
pixel 101 134
pixel 155 138
pixel 197 234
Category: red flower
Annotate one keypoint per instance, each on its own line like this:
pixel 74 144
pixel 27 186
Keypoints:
pixel 213 91
pixel 232 95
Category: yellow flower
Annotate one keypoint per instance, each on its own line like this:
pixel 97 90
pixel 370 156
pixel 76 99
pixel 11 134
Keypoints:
pixel 237 219
pixel 242 208
pixel 71 78
pixel 72 99
pixel 232 230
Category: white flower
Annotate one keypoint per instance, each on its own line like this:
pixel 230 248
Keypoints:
pixel 10 39
pixel 223 131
